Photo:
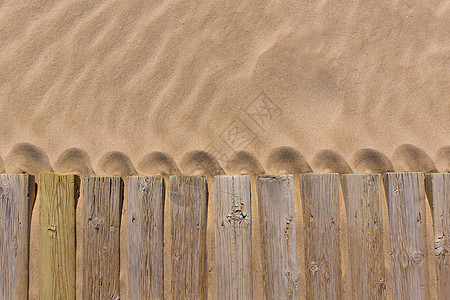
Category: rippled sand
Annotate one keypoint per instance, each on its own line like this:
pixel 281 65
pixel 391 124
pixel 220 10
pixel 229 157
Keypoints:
pixel 171 76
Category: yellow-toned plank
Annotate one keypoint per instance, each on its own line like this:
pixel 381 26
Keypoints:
pixel 58 198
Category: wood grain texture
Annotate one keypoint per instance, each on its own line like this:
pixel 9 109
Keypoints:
pixel 405 195
pixel 188 207
pixel 16 204
pixel 145 237
pixel 102 209
pixel 233 237
pixel 320 200
pixel 278 236
pixel 438 191
pixel 58 196
pixel 363 200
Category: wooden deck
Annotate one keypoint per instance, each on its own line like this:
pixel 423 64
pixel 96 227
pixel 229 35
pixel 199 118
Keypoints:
pixel 317 271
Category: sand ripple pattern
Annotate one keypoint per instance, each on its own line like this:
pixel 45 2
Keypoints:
pixel 31 159
pixel 169 76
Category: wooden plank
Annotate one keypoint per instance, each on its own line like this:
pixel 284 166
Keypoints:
pixel 438 191
pixel 320 200
pixel 188 206
pixel 278 236
pixel 405 195
pixel 363 200
pixel 102 210
pixel 16 204
pixel 145 237
pixel 58 195
pixel 233 237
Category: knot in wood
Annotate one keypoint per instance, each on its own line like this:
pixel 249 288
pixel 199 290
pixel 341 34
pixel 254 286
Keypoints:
pixel 292 279
pixel 236 215
pixel 313 267
pixel 52 228
pixel 418 257
pixel 143 185
pixel 382 284
pixel 95 223
pixel 237 211
pixel 1 191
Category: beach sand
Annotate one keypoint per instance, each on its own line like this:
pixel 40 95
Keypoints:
pixel 192 87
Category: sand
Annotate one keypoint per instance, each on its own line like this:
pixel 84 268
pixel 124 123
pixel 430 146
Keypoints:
pixel 144 76
pixel 170 87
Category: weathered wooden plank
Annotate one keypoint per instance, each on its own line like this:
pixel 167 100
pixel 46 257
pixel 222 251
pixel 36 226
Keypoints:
pixel 438 191
pixel 363 200
pixel 102 209
pixel 278 236
pixel 16 204
pixel 320 200
pixel 188 206
pixel 405 195
pixel 145 237
pixel 233 237
pixel 58 195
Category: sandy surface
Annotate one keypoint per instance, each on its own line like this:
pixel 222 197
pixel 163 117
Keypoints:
pixel 163 87
pixel 171 76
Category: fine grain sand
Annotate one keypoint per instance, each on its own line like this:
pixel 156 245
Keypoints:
pixel 216 87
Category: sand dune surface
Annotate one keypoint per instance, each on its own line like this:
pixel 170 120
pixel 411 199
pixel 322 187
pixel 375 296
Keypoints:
pixel 180 76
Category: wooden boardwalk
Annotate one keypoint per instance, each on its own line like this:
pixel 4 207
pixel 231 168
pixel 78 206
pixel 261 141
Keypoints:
pixel 372 274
